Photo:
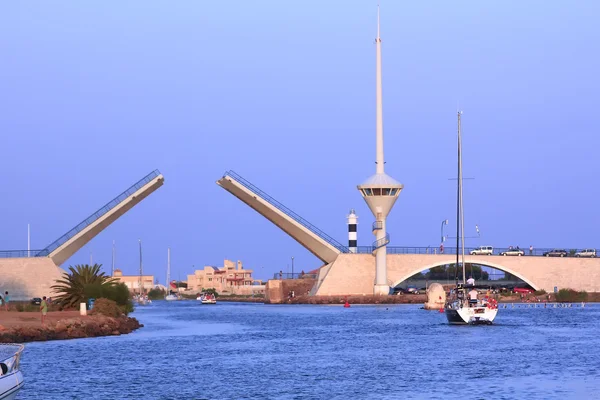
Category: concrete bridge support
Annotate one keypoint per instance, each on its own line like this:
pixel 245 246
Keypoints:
pixel 355 273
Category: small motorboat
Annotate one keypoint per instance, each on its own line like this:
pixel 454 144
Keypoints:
pixel 171 297
pixel 11 378
pixel 208 299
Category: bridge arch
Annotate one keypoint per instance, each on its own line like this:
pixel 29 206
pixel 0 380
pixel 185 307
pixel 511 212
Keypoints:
pixel 486 262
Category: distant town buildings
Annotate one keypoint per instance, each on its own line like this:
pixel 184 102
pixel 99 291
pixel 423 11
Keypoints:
pixel 133 281
pixel 232 278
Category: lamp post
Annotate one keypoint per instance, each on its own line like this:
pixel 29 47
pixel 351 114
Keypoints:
pixel 444 222
pixel 292 267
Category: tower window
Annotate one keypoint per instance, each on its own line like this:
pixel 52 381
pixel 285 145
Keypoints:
pixel 393 192
pixel 386 191
pixel 377 192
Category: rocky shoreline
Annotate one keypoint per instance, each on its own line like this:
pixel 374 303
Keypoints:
pixel 75 327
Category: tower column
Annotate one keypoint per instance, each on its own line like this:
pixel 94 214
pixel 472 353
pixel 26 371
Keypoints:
pixel 381 285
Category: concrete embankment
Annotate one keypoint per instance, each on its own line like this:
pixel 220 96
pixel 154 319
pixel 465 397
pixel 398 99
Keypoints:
pixel 19 327
pixel 241 299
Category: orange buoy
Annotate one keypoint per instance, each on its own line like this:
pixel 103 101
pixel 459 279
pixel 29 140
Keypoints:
pixel 346 304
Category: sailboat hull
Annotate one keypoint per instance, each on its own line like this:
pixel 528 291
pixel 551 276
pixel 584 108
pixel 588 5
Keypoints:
pixel 471 315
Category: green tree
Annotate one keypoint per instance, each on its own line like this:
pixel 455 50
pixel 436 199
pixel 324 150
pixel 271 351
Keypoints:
pixel 212 291
pixel 156 294
pixel 72 286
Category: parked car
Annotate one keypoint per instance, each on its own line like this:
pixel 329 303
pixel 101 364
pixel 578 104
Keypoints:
pixel 36 301
pixel 556 253
pixel 513 252
pixel 482 251
pixel 523 290
pixel 586 253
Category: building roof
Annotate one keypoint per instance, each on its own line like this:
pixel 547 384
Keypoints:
pixel 381 180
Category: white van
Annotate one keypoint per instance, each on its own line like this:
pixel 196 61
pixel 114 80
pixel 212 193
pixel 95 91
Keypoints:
pixel 586 253
pixel 482 251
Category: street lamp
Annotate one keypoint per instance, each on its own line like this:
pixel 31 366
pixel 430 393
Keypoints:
pixel 292 267
pixel 444 222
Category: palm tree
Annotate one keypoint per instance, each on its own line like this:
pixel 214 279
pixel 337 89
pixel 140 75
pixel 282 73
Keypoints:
pixel 71 287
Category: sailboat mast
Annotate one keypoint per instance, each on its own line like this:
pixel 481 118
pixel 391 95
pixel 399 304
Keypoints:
pixel 113 259
pixel 460 181
pixel 458 191
pixel 168 271
pixel 141 269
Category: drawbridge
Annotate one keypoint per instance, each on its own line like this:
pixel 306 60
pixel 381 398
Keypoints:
pixel 68 244
pixel 315 240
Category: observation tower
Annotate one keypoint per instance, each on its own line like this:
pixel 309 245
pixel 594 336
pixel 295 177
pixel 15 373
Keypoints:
pixel 380 191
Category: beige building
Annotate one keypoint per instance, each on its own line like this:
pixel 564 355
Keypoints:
pixel 231 279
pixel 133 281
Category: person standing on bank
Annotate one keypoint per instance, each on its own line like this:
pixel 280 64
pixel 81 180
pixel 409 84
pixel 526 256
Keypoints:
pixel 44 309
pixel 6 300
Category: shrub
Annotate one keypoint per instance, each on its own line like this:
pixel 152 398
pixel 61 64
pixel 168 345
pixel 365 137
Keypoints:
pixel 107 307
pixel 156 294
pixel 570 295
pixel 119 293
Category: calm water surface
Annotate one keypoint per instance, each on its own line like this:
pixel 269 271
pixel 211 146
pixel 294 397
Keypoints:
pixel 255 351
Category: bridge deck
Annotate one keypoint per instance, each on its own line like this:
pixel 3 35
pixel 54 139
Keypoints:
pixel 315 240
pixel 66 245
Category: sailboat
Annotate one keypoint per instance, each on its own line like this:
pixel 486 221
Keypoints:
pixel 169 296
pixel 463 305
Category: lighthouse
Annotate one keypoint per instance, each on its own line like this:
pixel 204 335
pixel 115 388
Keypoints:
pixel 352 234
pixel 380 191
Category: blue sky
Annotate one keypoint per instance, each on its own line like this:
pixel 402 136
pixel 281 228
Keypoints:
pixel 95 96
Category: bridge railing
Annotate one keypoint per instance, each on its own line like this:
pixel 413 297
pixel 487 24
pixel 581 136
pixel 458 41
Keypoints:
pixel 98 214
pixel 18 253
pixel 295 275
pixel 497 251
pixel 254 189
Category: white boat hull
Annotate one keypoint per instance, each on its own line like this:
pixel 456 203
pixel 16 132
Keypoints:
pixel 10 385
pixel 470 315
pixel 171 297
pixel 209 302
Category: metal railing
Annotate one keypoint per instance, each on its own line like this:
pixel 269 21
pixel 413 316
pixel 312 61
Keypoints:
pixel 381 242
pixel 98 214
pixel 295 275
pixel 377 225
pixel 18 253
pixel 287 211
pixel 497 251
pixel 10 355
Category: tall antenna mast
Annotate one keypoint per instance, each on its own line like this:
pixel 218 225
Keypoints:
pixel 379 117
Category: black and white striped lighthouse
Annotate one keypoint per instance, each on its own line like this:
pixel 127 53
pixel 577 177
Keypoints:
pixel 352 237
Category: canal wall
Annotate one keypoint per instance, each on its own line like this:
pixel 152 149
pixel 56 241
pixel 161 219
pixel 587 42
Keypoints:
pixel 278 290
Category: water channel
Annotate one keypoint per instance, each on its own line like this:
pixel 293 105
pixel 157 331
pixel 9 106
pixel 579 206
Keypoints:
pixel 254 351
